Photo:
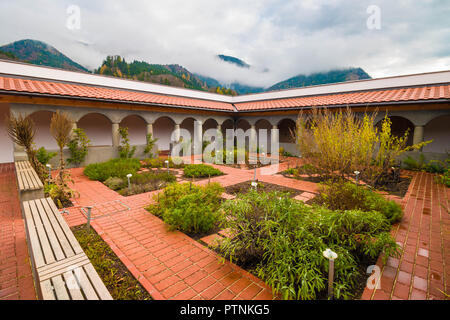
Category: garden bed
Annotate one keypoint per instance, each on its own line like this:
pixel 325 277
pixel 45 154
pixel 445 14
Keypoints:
pixel 398 189
pixel 245 187
pixel 284 240
pixel 119 281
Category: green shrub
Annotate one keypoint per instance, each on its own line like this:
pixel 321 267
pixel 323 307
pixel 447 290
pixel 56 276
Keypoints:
pixel 126 151
pixel 340 195
pixel 188 207
pixel 115 183
pixel 201 171
pixel 160 163
pixel 147 177
pixel 283 241
pixel 44 156
pixel 435 166
pixel 153 162
pixel 150 145
pixel 444 178
pixel 113 168
pixel 410 163
pixel 78 146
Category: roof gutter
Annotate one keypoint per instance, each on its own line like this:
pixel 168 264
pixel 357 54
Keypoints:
pixel 347 105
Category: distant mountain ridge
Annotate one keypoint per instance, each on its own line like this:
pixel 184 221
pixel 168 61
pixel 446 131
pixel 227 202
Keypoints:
pixel 40 53
pixel 333 76
pixel 233 60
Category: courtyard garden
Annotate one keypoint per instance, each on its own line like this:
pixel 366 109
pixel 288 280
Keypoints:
pixel 265 229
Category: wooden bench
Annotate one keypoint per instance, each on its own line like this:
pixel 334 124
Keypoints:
pixel 30 186
pixel 61 268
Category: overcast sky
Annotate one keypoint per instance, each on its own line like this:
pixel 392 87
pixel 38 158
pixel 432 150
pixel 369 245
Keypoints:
pixel 278 38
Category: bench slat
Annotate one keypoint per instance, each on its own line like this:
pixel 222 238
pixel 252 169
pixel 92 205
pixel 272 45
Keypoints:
pixel 60 288
pixel 54 243
pixel 47 290
pixel 65 228
pixel 100 287
pixel 63 268
pixel 73 284
pixel 87 287
pixel 45 245
pixel 64 242
pixel 33 237
pixel 62 264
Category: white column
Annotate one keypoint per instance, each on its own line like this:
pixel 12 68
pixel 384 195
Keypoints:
pixel 253 144
pixel 115 135
pixel 177 133
pixel 150 128
pixel 198 141
pixel 418 134
pixel 74 126
pixel 274 141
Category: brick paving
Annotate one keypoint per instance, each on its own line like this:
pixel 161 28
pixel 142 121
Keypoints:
pixel 423 270
pixel 169 264
pixel 16 281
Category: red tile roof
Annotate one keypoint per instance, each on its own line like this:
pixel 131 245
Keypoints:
pixel 361 97
pixel 91 92
pixel 436 92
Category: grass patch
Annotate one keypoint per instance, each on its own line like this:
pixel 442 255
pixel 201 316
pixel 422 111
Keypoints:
pixel 201 171
pixel 119 281
pixel 188 207
pixel 112 168
pixel 140 183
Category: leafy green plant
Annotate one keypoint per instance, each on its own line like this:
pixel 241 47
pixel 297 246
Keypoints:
pixel 282 240
pixel 21 131
pixel 60 194
pixel 150 145
pixel 115 183
pixel 78 146
pixel 188 207
pixel 112 168
pixel 126 151
pixel 444 178
pixel 339 143
pixel 201 171
pixel 341 195
pixel 45 156
pixel 160 163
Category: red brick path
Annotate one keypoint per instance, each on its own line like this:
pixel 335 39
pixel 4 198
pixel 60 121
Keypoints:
pixel 169 264
pixel 16 280
pixel 423 270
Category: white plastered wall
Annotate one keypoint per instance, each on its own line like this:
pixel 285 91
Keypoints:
pixel 6 145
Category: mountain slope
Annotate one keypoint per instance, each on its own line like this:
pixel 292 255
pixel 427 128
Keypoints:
pixel 314 79
pixel 40 53
pixel 233 60
pixel 171 74
pixel 37 52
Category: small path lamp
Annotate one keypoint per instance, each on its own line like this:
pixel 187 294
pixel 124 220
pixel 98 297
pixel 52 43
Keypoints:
pixel 331 256
pixel 357 176
pixel 128 177
pixel 167 162
pixel 49 166
pixel 88 224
